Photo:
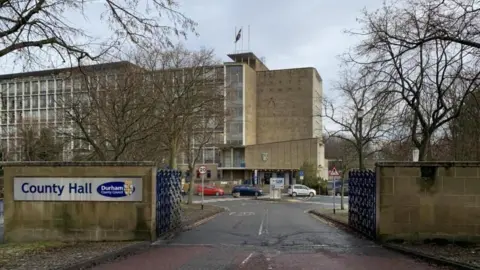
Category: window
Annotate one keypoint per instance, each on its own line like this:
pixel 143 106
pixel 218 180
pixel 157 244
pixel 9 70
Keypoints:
pixel 35 102
pixel 68 86
pixel 43 101
pixel 209 173
pixel 26 88
pixel 208 154
pixel 59 85
pixel 51 100
pixel 4 101
pixel 51 86
pixel 43 87
pixel 19 88
pixel 11 102
pixel 35 88
pixel 26 102
pixel 19 102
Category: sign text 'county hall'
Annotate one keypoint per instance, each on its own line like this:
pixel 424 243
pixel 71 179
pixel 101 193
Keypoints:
pixel 77 189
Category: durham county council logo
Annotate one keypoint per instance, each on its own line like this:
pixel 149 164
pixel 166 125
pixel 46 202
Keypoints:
pixel 116 189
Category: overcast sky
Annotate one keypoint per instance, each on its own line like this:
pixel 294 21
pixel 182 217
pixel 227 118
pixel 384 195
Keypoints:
pixel 304 33
pixel 289 34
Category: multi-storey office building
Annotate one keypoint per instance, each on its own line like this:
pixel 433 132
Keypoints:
pixel 273 124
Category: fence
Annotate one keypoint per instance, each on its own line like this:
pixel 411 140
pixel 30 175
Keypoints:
pixel 362 202
pixel 168 208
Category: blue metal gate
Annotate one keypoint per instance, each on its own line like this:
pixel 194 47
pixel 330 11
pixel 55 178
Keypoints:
pixel 168 206
pixel 362 202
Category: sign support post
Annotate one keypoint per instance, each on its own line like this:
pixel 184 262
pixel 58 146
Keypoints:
pixel 202 170
pixel 334 173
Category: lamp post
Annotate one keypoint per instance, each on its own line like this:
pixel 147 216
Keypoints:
pixel 360 114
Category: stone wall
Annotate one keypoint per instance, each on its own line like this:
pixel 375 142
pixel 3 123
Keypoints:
pixel 420 200
pixel 79 220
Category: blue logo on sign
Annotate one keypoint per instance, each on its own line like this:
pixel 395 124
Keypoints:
pixel 116 189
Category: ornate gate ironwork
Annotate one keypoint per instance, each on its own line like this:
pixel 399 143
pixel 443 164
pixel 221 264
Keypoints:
pixel 362 202
pixel 168 206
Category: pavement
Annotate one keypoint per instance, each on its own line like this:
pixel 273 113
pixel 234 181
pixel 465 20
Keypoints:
pixel 254 234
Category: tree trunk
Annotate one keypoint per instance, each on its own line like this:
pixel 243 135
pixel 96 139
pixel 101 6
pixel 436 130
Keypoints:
pixel 342 207
pixel 172 161
pixel 191 189
pixel 423 149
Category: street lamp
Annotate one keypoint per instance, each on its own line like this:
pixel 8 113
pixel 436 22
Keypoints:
pixel 360 114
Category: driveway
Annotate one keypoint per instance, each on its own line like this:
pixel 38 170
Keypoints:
pixel 266 235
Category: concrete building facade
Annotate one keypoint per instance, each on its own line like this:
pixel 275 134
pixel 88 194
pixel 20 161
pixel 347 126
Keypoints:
pixel 273 124
pixel 276 124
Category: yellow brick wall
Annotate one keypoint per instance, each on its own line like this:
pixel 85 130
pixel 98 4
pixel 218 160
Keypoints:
pixel 282 155
pixel 80 221
pixel 284 105
pixel 413 208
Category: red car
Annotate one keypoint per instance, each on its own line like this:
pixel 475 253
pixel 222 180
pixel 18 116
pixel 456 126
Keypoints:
pixel 210 191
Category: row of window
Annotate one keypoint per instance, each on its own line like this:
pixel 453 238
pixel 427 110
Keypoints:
pixel 35 87
pixel 40 115
pixel 33 102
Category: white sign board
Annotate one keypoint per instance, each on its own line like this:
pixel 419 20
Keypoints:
pixel 77 189
pixel 277 183
pixel 202 170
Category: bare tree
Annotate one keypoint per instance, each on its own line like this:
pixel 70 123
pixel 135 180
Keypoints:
pixel 431 80
pixel 29 29
pixel 364 117
pixel 40 144
pixel 453 21
pixel 113 113
pixel 201 131
pixel 185 82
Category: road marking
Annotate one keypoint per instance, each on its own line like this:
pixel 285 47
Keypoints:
pixel 260 230
pixel 246 259
pixel 241 214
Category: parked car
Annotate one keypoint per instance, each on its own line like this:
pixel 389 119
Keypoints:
pixel 300 190
pixel 246 190
pixel 209 191
pixel 338 190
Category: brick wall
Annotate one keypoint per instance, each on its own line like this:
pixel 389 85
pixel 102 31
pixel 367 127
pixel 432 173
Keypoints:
pixel 79 220
pixel 411 205
pixel 282 155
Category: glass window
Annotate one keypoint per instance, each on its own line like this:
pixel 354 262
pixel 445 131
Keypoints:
pixel 208 155
pixel 51 100
pixel 43 101
pixel 19 88
pixel 35 102
pixel 19 102
pixel 4 101
pixel 11 89
pixel 68 85
pixel 35 88
pixel 43 86
pixel 59 85
pixel 26 88
pixel 26 102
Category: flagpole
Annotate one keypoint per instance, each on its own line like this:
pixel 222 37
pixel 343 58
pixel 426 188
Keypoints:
pixel 242 39
pixel 248 46
pixel 235 36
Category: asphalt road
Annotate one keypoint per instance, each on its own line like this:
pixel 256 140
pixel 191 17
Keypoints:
pixel 266 235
